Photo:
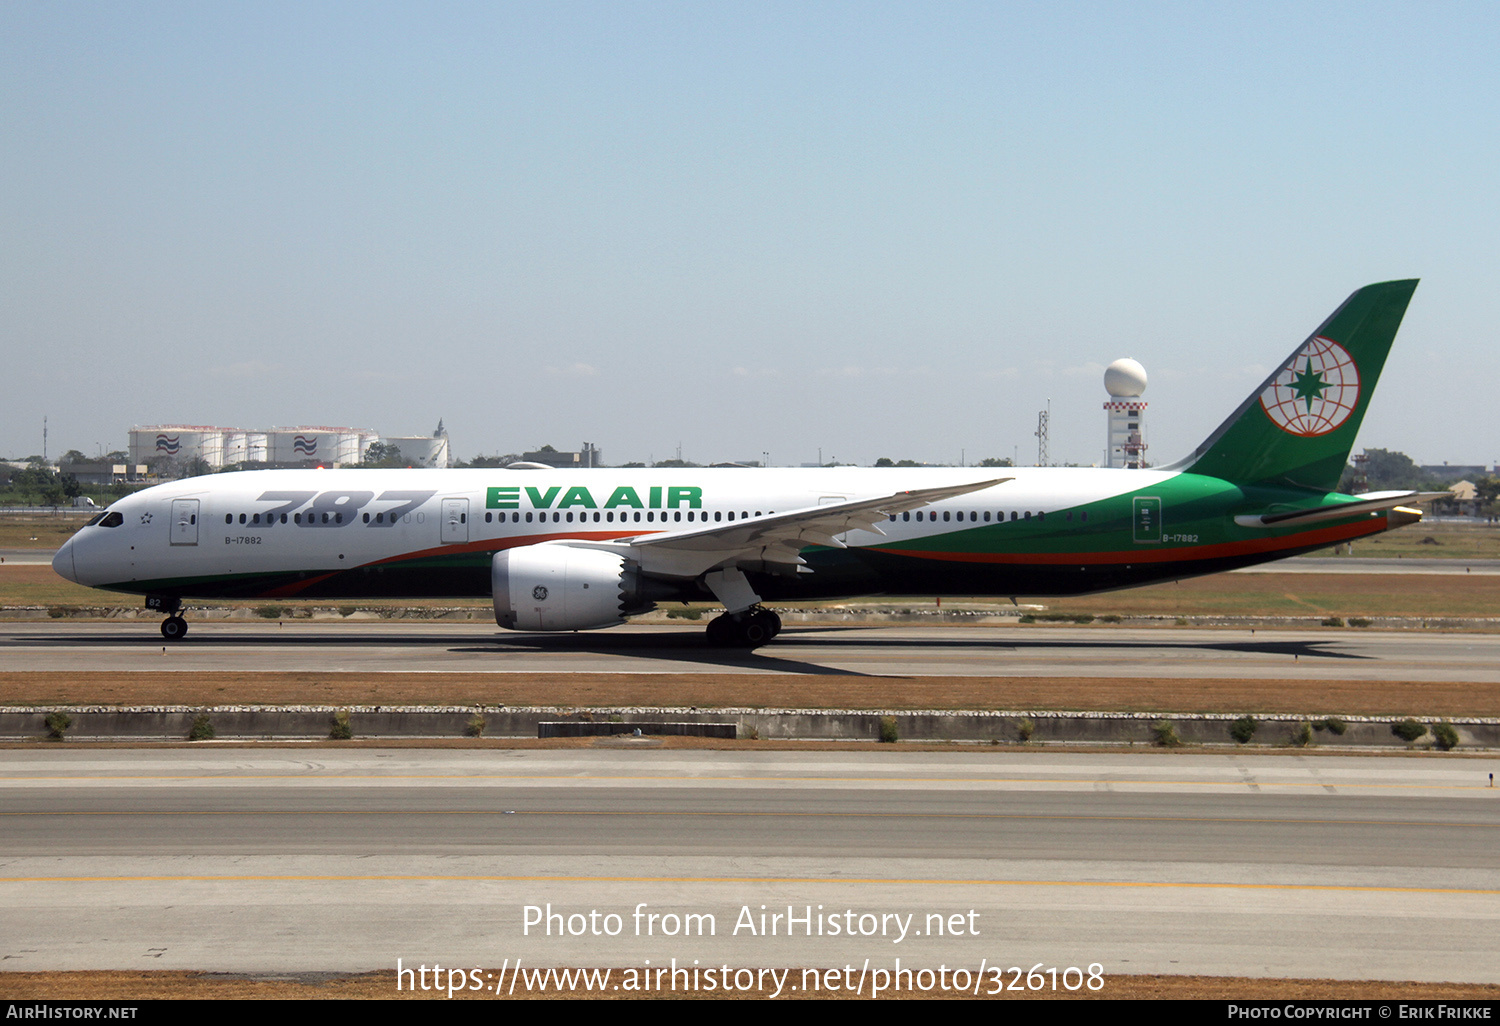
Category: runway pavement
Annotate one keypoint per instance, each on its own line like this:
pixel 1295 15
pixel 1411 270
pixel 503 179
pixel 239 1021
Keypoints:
pixel 1016 650
pixel 319 860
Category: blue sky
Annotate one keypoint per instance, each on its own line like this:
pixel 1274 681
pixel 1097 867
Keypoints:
pixel 873 229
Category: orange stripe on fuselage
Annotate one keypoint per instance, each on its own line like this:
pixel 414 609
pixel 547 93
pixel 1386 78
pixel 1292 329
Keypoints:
pixel 1179 554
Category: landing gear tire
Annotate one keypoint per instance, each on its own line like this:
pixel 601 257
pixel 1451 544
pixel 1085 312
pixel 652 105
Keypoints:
pixel 174 628
pixel 772 622
pixel 721 631
pixel 751 630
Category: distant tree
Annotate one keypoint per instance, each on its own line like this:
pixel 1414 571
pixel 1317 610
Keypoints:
pixel 170 468
pixel 1487 491
pixel 381 454
pixel 491 461
pixel 632 466
pixel 907 463
pixel 996 461
pixel 675 463
pixel 884 461
pixel 1387 471
pixel 40 484
pixel 73 456
pixel 117 456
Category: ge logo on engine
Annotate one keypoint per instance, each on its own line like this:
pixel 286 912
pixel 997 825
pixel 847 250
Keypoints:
pixel 539 593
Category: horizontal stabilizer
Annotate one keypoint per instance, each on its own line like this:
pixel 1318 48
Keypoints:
pixel 1369 502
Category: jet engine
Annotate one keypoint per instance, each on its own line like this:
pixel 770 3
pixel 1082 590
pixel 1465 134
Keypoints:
pixel 563 588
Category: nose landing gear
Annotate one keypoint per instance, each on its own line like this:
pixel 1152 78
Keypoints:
pixel 174 627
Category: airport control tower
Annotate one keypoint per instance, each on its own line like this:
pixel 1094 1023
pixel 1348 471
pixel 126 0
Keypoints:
pixel 1125 380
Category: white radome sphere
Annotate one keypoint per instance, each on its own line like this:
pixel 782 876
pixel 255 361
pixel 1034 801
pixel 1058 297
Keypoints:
pixel 1125 379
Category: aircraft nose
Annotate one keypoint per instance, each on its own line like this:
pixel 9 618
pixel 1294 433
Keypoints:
pixel 63 562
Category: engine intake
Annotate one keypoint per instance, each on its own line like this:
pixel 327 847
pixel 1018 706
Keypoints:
pixel 561 588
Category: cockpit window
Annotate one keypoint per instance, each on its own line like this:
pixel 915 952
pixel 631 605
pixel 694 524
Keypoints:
pixel 95 519
pixel 111 520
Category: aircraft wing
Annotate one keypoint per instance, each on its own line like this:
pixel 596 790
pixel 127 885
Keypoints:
pixel 1368 502
pixel 775 538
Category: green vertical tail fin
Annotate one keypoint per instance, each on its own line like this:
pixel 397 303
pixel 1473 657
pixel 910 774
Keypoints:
pixel 1297 428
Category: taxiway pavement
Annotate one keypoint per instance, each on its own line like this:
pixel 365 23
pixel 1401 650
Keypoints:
pixel 315 860
pixel 1018 650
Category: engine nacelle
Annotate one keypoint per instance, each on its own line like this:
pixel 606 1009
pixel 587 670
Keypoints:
pixel 561 588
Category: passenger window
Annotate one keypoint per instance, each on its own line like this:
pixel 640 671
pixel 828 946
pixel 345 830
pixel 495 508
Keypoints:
pixel 986 516
pixel 228 518
pixel 946 516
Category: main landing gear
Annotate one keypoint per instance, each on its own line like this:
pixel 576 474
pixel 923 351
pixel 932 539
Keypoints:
pixel 174 627
pixel 749 629
pixel 745 624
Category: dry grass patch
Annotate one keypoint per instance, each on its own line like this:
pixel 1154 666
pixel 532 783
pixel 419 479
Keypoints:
pixel 1421 699
pixel 1271 594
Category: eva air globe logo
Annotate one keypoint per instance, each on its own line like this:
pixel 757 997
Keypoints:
pixel 1315 392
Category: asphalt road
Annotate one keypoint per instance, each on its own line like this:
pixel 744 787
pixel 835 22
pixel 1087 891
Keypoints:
pixel 1016 650
pixel 315 860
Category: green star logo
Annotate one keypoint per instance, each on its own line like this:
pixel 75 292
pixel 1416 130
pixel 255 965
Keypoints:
pixel 1309 385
